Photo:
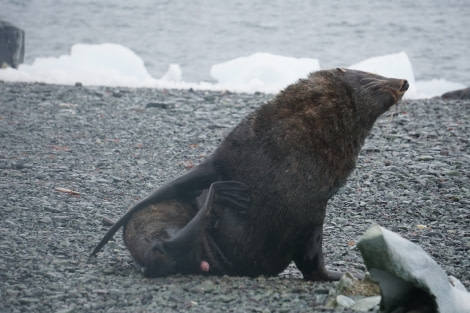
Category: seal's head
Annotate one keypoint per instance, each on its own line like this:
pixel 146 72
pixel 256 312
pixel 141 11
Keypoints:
pixel 372 94
pixel 158 262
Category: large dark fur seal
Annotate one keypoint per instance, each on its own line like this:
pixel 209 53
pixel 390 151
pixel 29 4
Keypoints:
pixel 258 202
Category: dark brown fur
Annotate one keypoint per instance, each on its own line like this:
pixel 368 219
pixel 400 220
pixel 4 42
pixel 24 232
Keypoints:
pixel 268 183
pixel 153 224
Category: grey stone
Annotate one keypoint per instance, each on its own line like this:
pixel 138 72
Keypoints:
pixel 205 286
pixel 346 283
pixel 161 105
pixel 11 45
pixel 344 301
pixel 366 304
pixel 405 273
pixel 457 94
pixel 45 219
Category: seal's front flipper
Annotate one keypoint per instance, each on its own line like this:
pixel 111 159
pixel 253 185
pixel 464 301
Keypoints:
pixel 187 186
pixel 193 239
pixel 228 194
pixel 309 257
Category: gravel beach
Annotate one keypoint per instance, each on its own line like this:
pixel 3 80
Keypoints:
pixel 72 158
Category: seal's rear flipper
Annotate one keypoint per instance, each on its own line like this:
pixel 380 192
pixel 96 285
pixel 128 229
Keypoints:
pixel 187 186
pixel 309 258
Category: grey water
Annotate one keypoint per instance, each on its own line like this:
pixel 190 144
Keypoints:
pixel 198 34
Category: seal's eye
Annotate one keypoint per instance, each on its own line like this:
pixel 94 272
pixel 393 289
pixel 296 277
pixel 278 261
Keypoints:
pixel 340 69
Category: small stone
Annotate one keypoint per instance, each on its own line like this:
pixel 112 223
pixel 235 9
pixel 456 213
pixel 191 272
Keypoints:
pixel 12 292
pixel 141 162
pixel 425 158
pixel 345 283
pixel 66 310
pixel 161 105
pixel 206 286
pixel 117 94
pixel 344 301
pixel 45 219
pixel 107 221
pixel 67 105
pixel 117 179
pixel 366 304
pixel 61 218
pixel 22 164
pixel 175 298
pixel 227 298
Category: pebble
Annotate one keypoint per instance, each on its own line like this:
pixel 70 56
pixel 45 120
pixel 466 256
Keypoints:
pixel 344 301
pixel 161 105
pixel 227 298
pixel 366 304
pixel 45 219
pixel 114 151
pixel 205 286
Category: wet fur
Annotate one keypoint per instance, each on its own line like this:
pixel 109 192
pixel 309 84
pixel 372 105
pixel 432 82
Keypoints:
pixel 153 224
pixel 293 154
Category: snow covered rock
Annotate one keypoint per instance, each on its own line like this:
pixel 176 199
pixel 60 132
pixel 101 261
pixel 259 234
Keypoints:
pixel 408 277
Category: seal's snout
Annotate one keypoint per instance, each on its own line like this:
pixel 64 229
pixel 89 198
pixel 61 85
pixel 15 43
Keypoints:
pixel 404 85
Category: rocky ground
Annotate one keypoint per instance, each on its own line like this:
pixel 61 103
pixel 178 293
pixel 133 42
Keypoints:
pixel 108 147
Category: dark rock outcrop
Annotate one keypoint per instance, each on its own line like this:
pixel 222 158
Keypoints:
pixel 457 94
pixel 11 45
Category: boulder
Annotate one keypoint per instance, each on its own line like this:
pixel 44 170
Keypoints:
pixel 460 94
pixel 11 45
pixel 408 277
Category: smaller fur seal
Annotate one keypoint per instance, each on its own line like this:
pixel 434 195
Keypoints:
pixel 148 232
pixel 259 201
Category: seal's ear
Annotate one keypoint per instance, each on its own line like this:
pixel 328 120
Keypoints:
pixel 340 69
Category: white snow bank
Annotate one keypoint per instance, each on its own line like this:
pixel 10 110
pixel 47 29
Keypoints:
pixel 398 65
pixel 114 65
pixel 262 71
